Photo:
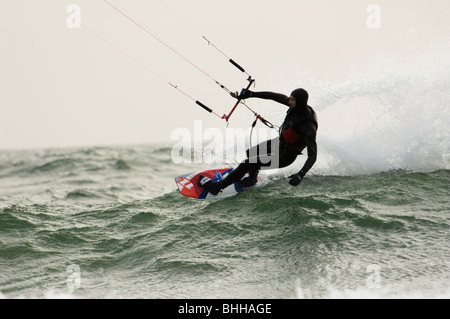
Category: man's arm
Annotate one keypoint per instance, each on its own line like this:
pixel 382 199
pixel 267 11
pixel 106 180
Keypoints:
pixel 277 97
pixel 311 145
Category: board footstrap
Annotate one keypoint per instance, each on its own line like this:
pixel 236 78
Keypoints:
pixel 204 181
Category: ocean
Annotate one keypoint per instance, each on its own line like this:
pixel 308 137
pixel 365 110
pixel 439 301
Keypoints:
pixel 109 222
pixel 370 220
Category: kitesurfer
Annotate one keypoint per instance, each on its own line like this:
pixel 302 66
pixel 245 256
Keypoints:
pixel 297 132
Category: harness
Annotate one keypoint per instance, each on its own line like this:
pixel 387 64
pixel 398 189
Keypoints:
pixel 290 132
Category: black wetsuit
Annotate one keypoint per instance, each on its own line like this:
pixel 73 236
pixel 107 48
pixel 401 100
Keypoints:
pixel 297 132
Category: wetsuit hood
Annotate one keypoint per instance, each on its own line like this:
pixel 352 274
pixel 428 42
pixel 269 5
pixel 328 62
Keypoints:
pixel 301 98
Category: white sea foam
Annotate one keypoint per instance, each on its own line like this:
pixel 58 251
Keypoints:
pixel 393 114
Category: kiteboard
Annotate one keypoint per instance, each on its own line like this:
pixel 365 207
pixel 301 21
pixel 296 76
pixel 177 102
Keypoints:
pixel 188 184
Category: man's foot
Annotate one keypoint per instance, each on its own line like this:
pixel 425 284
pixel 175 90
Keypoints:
pixel 250 179
pixel 203 180
pixel 208 185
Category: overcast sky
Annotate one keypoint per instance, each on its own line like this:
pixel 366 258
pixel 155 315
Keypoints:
pixel 69 87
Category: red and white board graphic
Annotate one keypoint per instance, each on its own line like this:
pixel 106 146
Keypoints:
pixel 188 184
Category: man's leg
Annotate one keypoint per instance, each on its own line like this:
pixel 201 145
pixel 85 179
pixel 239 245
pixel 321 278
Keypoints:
pixel 252 178
pixel 236 175
pixel 266 154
